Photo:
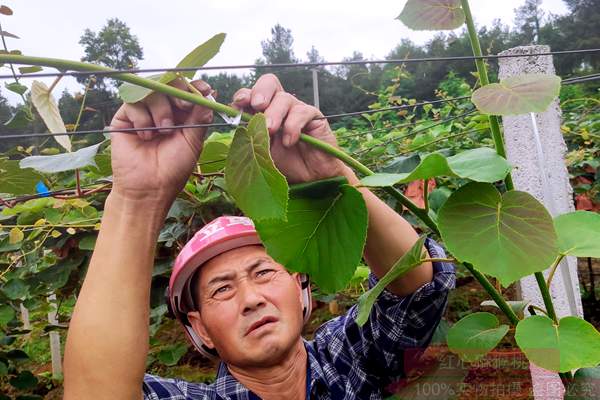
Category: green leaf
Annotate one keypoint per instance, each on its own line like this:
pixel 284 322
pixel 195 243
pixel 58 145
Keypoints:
pixel 103 165
pixel 57 275
pixel 197 57
pixel 574 343
pixel 130 93
pixel 402 164
pixel 480 165
pixel 252 179
pixel 432 15
pixel 323 237
pixel 19 120
pixel 15 180
pixel 48 109
pixel 578 233
pixel 30 70
pixel 88 242
pixel 170 355
pixel 408 261
pixel 25 380
pixel 3 372
pixel 585 383
pixel 475 335
pixel 214 153
pixel 15 289
pixel 16 88
pixel 202 54
pixel 7 314
pixel 62 162
pixel 508 236
pixel 518 95
pixel 518 306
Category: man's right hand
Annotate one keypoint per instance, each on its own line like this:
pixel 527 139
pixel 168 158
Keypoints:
pixel 155 165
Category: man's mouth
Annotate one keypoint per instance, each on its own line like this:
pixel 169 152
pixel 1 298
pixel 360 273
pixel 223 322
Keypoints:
pixel 261 322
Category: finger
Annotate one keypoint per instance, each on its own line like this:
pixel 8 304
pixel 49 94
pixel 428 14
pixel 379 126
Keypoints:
pixel 241 99
pixel 264 90
pixel 161 111
pixel 195 136
pixel 177 102
pixel 134 116
pixel 299 116
pixel 278 110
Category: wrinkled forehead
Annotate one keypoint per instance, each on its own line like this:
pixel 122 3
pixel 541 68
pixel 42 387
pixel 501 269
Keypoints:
pixel 232 261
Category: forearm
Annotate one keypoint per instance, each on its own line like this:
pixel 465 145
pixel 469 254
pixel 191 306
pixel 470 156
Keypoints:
pixel 107 340
pixel 389 237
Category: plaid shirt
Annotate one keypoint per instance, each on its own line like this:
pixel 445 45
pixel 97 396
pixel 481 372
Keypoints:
pixel 346 361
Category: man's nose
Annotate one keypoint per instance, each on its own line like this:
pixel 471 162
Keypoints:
pixel 251 297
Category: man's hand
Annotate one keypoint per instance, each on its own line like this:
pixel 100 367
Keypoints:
pixel 286 118
pixel 154 165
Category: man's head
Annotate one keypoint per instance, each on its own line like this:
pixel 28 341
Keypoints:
pixel 250 308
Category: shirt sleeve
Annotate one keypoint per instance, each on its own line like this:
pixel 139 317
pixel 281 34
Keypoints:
pixel 398 328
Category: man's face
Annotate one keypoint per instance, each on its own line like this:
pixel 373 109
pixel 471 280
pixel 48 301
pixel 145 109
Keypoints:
pixel 250 307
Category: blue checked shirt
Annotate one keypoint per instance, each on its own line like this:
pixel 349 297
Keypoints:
pixel 346 361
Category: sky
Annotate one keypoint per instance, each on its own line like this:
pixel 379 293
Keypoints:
pixel 168 30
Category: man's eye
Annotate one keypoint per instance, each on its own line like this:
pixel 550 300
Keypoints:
pixel 222 289
pixel 264 272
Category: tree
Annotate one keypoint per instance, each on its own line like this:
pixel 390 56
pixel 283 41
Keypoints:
pixel 113 46
pixel 528 20
pixel 278 49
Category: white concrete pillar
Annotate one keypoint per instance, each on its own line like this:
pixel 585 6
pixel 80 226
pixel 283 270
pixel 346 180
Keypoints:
pixel 536 148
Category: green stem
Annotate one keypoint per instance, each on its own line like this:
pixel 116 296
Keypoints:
pixel 426 195
pixel 484 79
pixel 497 297
pixel 553 269
pixel 539 277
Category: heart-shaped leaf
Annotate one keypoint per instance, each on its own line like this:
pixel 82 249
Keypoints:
pixel 432 15
pixel 62 162
pixel 408 261
pixel 475 335
pixel 574 343
pixel 252 179
pixel 202 54
pixel 170 355
pixel 214 152
pixel 518 95
pixel 324 236
pixel 578 233
pixel 48 109
pixel 480 165
pixel 15 289
pixel 15 180
pixel 508 236
pixel 585 383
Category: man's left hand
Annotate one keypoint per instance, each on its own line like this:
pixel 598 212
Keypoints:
pixel 286 118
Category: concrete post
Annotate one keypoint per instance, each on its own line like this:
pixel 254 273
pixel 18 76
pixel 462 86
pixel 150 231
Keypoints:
pixel 315 82
pixel 54 340
pixel 536 148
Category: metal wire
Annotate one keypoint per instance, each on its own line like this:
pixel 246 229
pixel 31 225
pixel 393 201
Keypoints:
pixel 415 132
pixel 581 79
pixel 296 65
pixel 135 130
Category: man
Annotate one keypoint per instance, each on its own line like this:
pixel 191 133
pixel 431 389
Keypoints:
pixel 248 308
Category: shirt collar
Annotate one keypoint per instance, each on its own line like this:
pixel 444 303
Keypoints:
pixel 227 387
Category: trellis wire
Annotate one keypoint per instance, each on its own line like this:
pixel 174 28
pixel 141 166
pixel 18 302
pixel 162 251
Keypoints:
pixel 296 65
pixel 135 130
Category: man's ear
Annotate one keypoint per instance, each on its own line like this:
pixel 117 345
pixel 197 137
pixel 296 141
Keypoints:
pixel 198 325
